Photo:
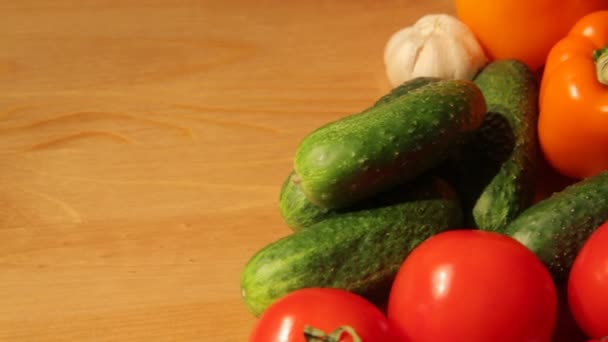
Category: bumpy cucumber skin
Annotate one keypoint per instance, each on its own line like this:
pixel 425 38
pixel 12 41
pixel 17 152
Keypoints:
pixel 511 93
pixel 388 144
pixel 295 208
pixel 405 88
pixel 556 228
pixel 359 251
pixel 297 211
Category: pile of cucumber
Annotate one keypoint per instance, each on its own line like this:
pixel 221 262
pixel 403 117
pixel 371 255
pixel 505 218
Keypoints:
pixel 430 156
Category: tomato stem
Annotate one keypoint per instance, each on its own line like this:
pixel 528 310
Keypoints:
pixel 317 335
pixel 600 56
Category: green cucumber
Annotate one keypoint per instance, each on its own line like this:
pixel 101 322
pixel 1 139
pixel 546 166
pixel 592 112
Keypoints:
pixel 556 228
pixel 359 251
pixel 297 211
pixel 388 144
pixel 494 169
pixel 507 139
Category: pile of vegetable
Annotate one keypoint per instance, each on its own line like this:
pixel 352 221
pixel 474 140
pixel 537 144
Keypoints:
pixel 419 218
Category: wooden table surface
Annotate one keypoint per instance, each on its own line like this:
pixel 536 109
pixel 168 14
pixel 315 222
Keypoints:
pixel 143 145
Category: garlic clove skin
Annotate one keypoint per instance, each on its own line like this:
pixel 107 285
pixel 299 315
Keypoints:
pixel 401 54
pixel 437 45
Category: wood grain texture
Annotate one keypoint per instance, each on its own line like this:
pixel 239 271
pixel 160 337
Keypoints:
pixel 143 144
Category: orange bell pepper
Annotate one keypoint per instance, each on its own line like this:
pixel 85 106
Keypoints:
pixel 523 29
pixel 573 119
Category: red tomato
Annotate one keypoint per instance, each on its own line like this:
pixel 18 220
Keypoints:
pixel 588 285
pixel 474 286
pixel 325 309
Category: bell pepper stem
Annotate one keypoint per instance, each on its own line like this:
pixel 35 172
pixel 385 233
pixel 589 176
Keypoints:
pixel 600 56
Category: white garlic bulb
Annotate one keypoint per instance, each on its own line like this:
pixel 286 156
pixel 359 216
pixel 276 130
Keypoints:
pixel 437 45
